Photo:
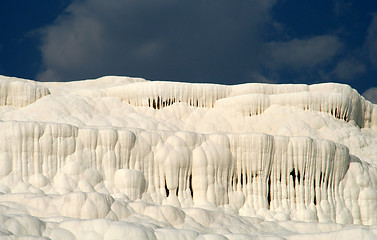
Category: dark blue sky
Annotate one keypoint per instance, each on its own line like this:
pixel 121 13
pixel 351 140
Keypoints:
pixel 222 41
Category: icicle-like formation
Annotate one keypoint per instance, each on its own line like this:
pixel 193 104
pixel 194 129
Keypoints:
pixel 339 100
pixel 162 94
pixel 33 148
pixel 339 105
pixel 305 178
pixel 253 157
pixel 297 176
pixel 250 99
pixel 19 92
pixel 267 89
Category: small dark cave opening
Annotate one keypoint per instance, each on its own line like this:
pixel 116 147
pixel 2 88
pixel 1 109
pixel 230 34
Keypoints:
pixel 190 186
pixel 293 174
pixel 166 189
pixel 269 192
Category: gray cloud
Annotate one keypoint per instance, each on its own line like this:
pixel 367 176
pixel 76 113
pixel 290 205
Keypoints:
pixel 260 78
pixel 342 6
pixel 371 95
pixel 197 41
pixel 167 39
pixel 360 60
pixel 302 53
pixel 371 40
pixel 348 69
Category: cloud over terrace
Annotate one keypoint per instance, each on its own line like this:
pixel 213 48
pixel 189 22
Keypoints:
pixel 198 41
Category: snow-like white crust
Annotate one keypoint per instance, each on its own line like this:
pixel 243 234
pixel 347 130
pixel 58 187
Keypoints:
pixel 118 157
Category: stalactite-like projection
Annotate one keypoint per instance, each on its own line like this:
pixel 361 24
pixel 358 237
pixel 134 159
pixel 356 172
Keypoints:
pixel 19 92
pixel 292 174
pixel 342 101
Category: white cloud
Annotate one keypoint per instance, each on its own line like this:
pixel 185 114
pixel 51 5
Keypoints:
pixel 302 53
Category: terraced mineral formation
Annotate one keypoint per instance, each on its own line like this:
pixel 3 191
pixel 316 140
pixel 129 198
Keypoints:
pixel 119 157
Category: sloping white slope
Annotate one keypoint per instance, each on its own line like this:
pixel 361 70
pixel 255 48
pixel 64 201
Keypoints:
pixel 122 158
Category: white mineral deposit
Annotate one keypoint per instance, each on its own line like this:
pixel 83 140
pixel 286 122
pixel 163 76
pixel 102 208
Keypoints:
pixel 126 158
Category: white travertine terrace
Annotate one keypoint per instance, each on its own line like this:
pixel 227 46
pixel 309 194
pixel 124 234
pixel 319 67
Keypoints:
pixel 117 157
pixel 19 93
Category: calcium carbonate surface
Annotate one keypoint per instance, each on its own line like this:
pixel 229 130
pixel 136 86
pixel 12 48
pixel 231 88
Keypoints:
pixel 126 158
